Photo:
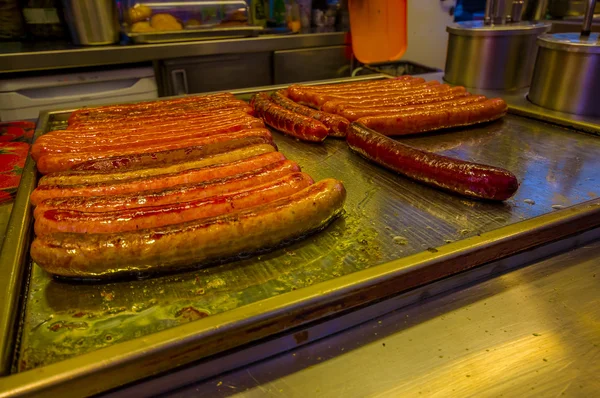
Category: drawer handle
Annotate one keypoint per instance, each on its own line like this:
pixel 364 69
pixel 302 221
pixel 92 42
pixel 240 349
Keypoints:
pixel 179 81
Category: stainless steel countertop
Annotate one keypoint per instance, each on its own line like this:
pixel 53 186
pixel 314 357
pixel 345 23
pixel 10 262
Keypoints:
pixel 16 56
pixel 532 332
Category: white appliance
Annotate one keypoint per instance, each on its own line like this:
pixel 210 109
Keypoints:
pixel 427 37
pixel 25 98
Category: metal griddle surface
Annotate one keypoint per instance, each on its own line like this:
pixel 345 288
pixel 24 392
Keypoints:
pixel 387 217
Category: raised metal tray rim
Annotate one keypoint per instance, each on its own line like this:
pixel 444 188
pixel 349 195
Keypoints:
pixel 145 356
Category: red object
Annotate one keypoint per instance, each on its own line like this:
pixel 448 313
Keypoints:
pixel 16 131
pixel 14 147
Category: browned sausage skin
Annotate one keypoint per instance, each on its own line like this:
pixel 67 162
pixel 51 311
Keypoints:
pixel 291 123
pixel 337 125
pixel 155 182
pixel 62 162
pixel 166 158
pixel 193 243
pixel 57 220
pixel 458 176
pixel 65 178
pixel 434 119
pixel 176 194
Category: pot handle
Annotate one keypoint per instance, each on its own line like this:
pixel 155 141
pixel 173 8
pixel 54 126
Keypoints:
pixel 586 28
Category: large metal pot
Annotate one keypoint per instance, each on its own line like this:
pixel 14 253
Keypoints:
pixel 495 57
pixel 566 77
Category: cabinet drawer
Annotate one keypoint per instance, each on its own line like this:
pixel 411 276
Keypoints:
pixel 292 66
pixel 218 72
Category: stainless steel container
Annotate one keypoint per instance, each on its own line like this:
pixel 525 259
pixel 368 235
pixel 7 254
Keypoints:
pixel 495 57
pixel 566 77
pixel 92 22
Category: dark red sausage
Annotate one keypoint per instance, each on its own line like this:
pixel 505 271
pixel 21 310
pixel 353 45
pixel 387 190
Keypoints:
pixel 337 124
pixel 434 119
pixel 458 176
pixel 299 126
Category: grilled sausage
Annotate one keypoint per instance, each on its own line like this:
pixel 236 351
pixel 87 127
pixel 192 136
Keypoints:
pixel 395 85
pixel 316 99
pixel 338 105
pixel 197 242
pixel 57 220
pixel 155 182
pixel 86 113
pixel 157 117
pixel 144 140
pixel 288 122
pixel 166 158
pixel 320 99
pixel 454 175
pixel 62 162
pixel 434 119
pixel 85 177
pixel 337 125
pixel 179 193
pixel 353 114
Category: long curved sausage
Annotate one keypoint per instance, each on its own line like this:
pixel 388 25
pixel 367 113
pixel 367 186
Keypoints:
pixel 179 193
pixel 62 162
pixel 454 175
pixel 353 114
pixel 155 182
pixel 434 119
pixel 338 105
pixel 337 125
pixel 85 177
pixel 288 122
pixel 197 242
pixel 57 220
pixel 165 158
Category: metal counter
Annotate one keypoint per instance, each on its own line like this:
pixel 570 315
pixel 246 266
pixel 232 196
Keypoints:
pixel 16 57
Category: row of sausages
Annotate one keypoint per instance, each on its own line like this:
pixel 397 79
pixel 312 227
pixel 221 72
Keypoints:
pixel 166 185
pixel 367 112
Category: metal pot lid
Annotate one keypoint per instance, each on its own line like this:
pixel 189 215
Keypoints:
pixel 572 42
pixel 477 28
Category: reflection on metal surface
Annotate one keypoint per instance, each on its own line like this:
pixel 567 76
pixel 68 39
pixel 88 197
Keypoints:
pixel 532 332
pixel 565 76
pixel 498 57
